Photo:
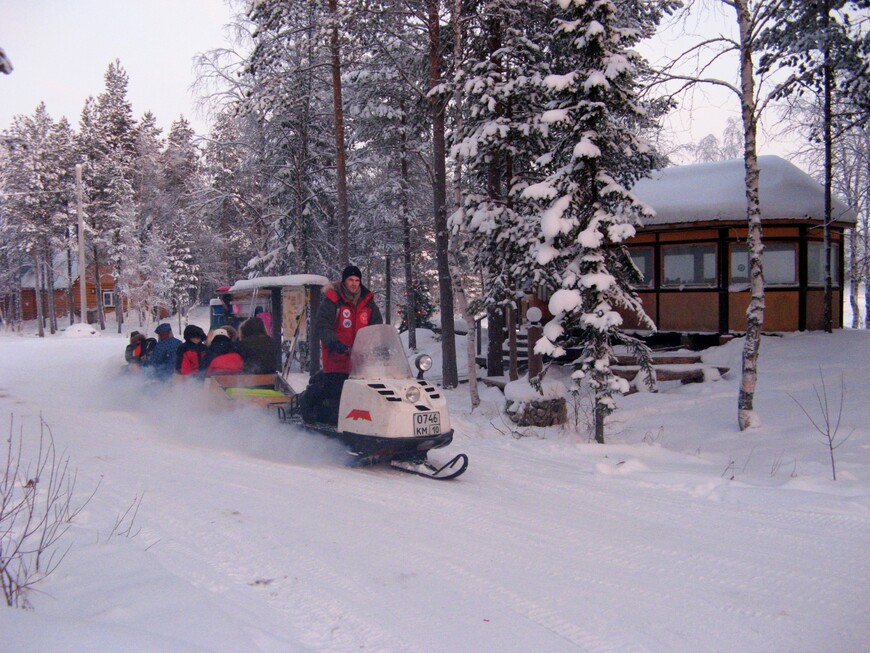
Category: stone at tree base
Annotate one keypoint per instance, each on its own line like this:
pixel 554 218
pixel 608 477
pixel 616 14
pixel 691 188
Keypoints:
pixel 544 412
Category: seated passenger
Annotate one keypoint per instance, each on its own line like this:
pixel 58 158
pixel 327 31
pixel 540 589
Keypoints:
pixel 190 353
pixel 266 317
pixel 161 361
pixel 260 353
pixel 221 357
pixel 133 353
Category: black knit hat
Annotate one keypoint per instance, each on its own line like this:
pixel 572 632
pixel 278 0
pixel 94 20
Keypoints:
pixel 193 331
pixel 351 271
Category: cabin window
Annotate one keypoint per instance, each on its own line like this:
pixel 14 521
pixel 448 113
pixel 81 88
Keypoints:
pixel 816 264
pixel 109 298
pixel 780 264
pixel 689 265
pixel 643 258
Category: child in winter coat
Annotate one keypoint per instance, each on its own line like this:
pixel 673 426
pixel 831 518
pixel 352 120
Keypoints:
pixel 191 352
pixel 222 357
pixel 137 351
pixel 133 353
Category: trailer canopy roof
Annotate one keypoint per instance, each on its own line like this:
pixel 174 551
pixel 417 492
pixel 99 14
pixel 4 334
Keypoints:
pixel 279 282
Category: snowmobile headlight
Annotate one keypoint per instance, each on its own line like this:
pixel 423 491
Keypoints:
pixel 412 394
pixel 423 362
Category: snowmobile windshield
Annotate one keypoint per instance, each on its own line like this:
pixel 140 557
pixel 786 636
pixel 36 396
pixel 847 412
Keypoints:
pixel 378 354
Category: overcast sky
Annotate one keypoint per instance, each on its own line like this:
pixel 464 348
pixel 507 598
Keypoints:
pixel 61 49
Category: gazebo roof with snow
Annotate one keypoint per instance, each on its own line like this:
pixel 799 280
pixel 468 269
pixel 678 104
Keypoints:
pixel 716 191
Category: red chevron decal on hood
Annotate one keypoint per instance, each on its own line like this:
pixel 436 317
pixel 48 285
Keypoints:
pixel 356 413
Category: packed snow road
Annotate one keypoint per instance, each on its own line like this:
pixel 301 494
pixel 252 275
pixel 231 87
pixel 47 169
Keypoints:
pixel 247 535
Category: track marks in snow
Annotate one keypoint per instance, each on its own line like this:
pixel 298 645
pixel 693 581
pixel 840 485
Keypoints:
pixel 307 591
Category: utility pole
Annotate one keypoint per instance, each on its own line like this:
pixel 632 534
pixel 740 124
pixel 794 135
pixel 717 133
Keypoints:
pixel 83 293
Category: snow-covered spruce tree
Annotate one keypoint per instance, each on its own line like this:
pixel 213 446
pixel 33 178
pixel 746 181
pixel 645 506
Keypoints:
pixel 814 42
pixel 500 137
pixel 594 157
pixel 389 188
pixel 107 147
pixel 184 274
pixel 66 231
pixel 37 178
pixel 181 160
pixel 287 122
pixel 223 205
pixel 422 308
pixel 139 234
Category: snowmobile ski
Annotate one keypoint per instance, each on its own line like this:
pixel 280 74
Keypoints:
pixel 450 470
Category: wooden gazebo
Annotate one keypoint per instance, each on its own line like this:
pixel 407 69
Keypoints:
pixel 694 257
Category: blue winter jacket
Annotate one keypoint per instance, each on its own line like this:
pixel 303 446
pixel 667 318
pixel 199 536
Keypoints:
pixel 161 360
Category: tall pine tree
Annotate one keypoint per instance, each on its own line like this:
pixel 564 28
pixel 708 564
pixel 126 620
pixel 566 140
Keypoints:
pixel 594 157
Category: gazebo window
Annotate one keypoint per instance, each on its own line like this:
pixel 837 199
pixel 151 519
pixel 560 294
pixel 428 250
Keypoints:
pixel 109 298
pixel 780 264
pixel 689 265
pixel 816 263
pixel 643 258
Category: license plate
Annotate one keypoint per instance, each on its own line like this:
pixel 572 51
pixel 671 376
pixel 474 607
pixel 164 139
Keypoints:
pixel 427 424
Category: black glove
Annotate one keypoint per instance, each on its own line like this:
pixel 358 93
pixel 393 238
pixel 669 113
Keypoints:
pixel 338 347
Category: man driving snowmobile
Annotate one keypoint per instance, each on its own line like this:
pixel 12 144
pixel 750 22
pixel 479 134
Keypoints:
pixel 347 306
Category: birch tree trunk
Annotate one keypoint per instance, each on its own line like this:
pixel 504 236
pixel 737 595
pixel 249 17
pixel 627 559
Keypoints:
pixel 746 415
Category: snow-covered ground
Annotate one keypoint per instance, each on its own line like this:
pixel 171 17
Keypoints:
pixel 680 535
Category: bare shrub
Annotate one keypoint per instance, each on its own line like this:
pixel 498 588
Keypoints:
pixel 827 423
pixel 36 510
pixel 124 523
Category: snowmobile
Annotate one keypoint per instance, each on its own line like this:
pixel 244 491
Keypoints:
pixel 383 413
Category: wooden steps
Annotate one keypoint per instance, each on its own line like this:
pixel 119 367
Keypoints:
pixel 667 366
pixel 663 358
pixel 686 373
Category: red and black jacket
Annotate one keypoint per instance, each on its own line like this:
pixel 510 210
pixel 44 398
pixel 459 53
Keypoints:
pixel 339 319
pixel 189 357
pixel 222 358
